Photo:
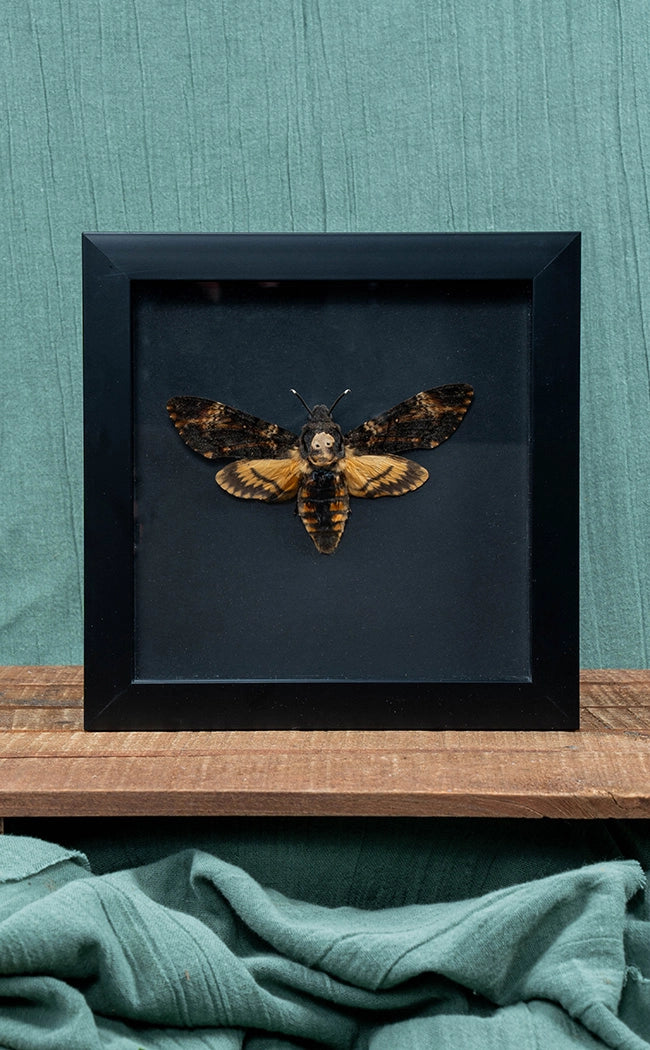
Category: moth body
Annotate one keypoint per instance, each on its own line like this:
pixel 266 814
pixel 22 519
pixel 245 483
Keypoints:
pixel 321 467
pixel 324 505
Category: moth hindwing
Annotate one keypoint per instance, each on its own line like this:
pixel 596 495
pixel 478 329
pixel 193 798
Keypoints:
pixel 321 467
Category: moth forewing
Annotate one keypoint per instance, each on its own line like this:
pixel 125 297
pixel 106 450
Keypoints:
pixel 422 421
pixel 369 477
pixel 218 431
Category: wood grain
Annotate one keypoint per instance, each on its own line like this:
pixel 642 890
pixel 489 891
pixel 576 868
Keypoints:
pixel 50 767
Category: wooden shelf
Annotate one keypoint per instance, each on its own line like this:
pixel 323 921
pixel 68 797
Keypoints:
pixel 50 767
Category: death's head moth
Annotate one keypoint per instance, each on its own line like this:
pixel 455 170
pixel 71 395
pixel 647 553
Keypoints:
pixel 321 467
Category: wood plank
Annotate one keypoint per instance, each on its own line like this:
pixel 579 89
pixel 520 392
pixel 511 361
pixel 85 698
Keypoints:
pixel 41 676
pixel 615 720
pixel 622 706
pixel 615 694
pixel 628 675
pixel 50 767
pixel 44 688
pixel 38 717
pixel 47 745
pixel 565 784
pixel 337 774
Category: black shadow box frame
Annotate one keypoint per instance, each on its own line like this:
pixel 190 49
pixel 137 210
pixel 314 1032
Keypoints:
pixel 453 607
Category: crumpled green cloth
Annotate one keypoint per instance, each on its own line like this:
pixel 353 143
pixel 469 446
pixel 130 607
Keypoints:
pixel 191 952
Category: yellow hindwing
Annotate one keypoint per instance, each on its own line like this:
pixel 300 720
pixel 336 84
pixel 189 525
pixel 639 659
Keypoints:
pixel 272 480
pixel 372 476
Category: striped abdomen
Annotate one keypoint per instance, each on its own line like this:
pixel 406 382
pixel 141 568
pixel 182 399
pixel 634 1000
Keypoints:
pixel 323 506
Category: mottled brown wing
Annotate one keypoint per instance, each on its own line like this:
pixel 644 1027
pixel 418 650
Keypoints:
pixel 373 476
pixel 218 431
pixel 272 480
pixel 422 421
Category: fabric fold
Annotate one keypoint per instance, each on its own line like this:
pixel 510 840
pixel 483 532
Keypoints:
pixel 194 946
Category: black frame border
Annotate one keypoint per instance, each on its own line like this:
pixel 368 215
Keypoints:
pixel 113 700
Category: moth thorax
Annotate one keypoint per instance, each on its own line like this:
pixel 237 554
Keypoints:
pixel 323 442
pixel 321 439
pixel 323 446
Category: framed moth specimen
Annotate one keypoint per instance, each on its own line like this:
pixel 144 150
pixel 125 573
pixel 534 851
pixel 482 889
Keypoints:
pixel 212 606
pixel 321 466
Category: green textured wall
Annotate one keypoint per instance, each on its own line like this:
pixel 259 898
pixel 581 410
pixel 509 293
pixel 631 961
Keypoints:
pixel 318 115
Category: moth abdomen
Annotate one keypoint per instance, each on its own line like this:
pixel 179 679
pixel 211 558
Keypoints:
pixel 324 506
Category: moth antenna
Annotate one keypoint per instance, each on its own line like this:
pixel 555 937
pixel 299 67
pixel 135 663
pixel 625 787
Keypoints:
pixel 331 409
pixel 302 400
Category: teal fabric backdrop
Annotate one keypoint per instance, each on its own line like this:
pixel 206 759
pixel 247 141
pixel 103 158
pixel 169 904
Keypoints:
pixel 395 115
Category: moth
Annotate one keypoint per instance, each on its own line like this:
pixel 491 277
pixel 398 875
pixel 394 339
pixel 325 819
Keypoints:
pixel 321 467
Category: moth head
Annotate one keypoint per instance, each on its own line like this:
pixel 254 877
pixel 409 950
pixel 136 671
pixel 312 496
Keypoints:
pixel 321 439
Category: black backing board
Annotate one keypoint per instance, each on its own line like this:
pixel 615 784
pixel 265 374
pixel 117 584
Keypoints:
pixel 430 586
